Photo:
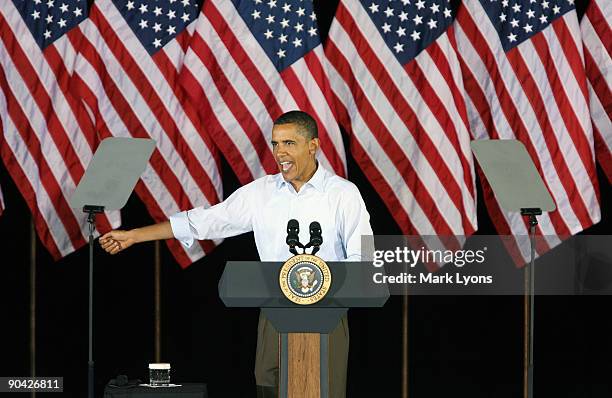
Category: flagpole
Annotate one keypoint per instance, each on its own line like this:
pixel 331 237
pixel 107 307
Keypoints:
pixel 405 345
pixel 32 302
pixel 157 302
pixel 526 334
pixel 405 338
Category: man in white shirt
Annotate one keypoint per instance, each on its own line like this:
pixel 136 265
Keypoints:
pixel 303 190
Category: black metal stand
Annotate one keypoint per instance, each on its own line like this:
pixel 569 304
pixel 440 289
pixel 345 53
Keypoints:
pixel 530 293
pixel 91 220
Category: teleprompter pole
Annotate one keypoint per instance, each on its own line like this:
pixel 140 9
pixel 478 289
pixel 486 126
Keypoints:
pixel 530 302
pixel 91 220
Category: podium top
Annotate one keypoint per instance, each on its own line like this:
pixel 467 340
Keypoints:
pixel 255 284
pixel 113 172
pixel 512 175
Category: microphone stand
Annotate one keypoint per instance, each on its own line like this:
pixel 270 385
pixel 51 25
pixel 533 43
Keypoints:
pixel 315 247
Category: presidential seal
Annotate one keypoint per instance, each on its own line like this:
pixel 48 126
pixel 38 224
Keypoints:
pixel 305 279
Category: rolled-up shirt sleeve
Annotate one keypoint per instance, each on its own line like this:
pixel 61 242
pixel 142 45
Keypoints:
pixel 355 224
pixel 181 229
pixel 231 217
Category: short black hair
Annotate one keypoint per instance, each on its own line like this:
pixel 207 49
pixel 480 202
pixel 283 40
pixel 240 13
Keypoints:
pixel 307 126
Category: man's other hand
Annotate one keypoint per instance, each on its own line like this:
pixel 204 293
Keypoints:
pixel 115 241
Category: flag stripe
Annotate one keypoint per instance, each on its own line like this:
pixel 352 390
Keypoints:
pixel 600 22
pixel 433 70
pixel 547 124
pixel 56 64
pixel 573 54
pixel 448 72
pixel 572 102
pixel 597 41
pixel 572 136
pixel 165 60
pixel 597 79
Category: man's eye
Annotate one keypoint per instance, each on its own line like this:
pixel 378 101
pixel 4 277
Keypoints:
pixel 274 144
pixel 291 143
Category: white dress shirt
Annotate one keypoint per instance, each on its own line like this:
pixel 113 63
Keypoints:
pixel 265 205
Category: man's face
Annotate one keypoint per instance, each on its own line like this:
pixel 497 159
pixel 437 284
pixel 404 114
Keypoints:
pixel 294 153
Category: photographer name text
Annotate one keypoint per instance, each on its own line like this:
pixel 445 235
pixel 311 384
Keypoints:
pixel 433 279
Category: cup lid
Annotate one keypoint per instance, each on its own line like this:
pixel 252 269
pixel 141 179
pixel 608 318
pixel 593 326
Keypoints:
pixel 159 366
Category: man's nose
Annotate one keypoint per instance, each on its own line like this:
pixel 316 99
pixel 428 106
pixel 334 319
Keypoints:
pixel 281 150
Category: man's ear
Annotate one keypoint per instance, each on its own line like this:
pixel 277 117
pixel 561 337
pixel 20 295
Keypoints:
pixel 313 145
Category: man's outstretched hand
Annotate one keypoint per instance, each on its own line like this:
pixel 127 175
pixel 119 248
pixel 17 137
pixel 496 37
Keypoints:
pixel 118 240
pixel 115 241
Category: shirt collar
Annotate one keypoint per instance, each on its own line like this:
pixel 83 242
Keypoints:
pixel 317 180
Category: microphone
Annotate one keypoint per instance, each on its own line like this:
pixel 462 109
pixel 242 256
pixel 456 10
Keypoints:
pixel 316 239
pixel 293 239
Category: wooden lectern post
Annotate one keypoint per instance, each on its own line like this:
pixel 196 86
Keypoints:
pixel 303 367
pixel 304 356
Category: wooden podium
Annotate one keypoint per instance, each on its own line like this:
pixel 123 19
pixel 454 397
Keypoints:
pixel 303 329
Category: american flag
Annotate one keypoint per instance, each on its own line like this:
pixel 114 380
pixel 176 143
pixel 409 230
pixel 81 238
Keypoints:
pixel 48 139
pixel 398 90
pixel 596 26
pixel 524 75
pixel 130 55
pixel 249 62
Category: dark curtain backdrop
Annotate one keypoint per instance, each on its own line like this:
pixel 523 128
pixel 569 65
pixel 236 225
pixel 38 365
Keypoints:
pixel 458 346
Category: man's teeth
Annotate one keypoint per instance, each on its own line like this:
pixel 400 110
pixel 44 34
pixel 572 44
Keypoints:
pixel 285 165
